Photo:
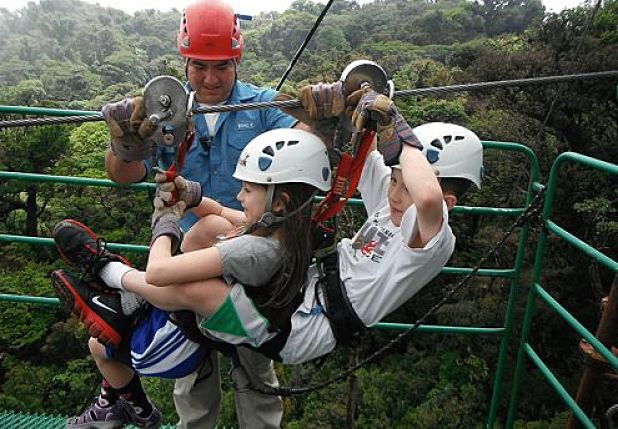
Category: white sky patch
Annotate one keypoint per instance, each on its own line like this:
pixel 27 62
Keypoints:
pixel 247 7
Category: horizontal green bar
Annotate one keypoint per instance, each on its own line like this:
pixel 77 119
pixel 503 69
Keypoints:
pixel 43 241
pixel 580 245
pixel 483 272
pixel 495 211
pixel 555 383
pixel 84 181
pixel 581 330
pixel 44 111
pixel 29 299
pixel 440 329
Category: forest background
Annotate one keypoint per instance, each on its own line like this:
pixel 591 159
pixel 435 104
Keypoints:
pixel 69 54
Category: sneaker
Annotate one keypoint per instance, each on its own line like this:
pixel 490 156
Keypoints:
pixel 100 312
pixel 152 421
pixel 81 248
pixel 98 417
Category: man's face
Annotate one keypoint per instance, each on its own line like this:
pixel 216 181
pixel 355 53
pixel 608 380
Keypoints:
pixel 399 198
pixel 212 81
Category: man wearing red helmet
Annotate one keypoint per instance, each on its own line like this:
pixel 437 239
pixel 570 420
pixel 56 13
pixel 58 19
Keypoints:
pixel 211 42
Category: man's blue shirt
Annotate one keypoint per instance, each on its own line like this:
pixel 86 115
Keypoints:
pixel 212 160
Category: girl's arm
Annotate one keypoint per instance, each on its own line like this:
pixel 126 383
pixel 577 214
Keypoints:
pixel 208 206
pixel 164 269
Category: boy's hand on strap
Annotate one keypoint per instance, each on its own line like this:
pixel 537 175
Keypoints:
pixel 391 139
pixel 368 104
pixel 129 129
pixel 393 130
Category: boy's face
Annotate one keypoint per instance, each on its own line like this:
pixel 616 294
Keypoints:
pixel 399 198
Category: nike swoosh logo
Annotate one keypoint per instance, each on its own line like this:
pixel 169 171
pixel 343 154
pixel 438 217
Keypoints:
pixel 100 304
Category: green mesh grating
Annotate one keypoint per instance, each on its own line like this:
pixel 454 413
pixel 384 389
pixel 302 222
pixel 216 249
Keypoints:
pixel 19 420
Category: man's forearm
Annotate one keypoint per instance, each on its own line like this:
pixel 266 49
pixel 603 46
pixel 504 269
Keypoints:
pixel 123 172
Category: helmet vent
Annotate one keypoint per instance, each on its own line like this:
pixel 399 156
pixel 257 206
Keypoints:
pixel 437 143
pixel 292 142
pixel 264 163
pixel 447 139
pixel 433 156
pixel 280 144
pixel 457 138
pixel 268 151
pixel 325 173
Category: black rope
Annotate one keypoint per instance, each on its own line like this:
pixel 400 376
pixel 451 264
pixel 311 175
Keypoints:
pixel 436 90
pixel 304 44
pixel 531 211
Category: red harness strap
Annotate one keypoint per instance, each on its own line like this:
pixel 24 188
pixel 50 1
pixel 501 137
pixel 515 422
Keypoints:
pixel 346 180
pixel 176 166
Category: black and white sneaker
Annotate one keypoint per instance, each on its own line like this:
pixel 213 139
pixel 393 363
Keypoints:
pixel 101 312
pixel 81 248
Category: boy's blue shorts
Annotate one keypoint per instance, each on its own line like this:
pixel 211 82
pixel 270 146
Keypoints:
pixel 158 348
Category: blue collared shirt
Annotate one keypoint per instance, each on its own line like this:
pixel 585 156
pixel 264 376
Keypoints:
pixel 212 160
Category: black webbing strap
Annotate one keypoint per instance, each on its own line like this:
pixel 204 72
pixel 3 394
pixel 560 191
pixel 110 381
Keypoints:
pixel 344 322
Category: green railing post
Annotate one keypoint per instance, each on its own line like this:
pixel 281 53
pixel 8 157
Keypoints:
pixel 515 282
pixel 525 349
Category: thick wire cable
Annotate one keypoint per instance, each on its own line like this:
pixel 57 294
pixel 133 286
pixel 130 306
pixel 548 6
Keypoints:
pixel 436 90
pixel 304 44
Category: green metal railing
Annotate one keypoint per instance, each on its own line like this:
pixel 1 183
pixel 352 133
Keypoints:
pixel 511 274
pixel 537 292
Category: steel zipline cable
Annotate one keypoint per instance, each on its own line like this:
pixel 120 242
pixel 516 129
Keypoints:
pixel 436 91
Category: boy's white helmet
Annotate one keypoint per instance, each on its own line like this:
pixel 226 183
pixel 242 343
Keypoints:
pixel 452 150
pixel 285 155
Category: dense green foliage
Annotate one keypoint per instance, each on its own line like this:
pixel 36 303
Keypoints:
pixel 74 55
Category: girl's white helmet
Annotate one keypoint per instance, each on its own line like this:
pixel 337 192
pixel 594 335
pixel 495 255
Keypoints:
pixel 452 150
pixel 285 155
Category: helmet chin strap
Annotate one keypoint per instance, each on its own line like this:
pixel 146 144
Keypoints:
pixel 268 218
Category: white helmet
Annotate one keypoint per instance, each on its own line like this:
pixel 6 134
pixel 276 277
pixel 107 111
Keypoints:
pixel 452 150
pixel 285 155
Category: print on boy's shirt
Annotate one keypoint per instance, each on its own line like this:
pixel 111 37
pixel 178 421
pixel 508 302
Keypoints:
pixel 372 242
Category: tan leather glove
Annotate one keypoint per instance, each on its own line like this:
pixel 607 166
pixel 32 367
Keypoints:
pixel 129 129
pixel 178 189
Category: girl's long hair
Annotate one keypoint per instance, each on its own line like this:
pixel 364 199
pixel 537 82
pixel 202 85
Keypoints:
pixel 296 240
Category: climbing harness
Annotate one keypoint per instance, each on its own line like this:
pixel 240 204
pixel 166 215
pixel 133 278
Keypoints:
pixel 532 210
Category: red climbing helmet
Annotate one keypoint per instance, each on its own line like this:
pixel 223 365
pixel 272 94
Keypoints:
pixel 210 30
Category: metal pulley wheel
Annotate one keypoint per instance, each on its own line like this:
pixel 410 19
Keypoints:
pixel 165 100
pixel 362 72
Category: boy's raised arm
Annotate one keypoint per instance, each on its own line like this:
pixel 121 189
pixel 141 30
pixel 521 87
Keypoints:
pixel 424 188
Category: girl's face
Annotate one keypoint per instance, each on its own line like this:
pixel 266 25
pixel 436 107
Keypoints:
pixel 252 197
pixel 399 198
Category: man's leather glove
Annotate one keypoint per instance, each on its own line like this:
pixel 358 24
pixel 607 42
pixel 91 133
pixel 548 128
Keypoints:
pixel 165 222
pixel 392 128
pixel 321 106
pixel 129 129
pixel 180 189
